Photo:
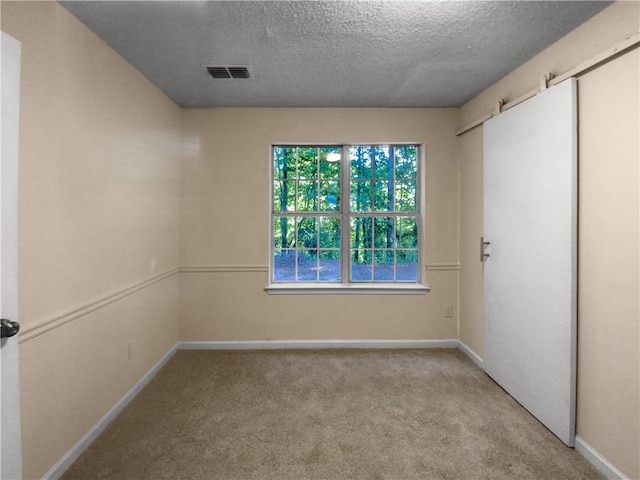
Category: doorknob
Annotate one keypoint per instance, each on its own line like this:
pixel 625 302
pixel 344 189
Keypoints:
pixel 8 328
pixel 483 245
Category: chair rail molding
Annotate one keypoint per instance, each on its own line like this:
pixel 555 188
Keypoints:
pixel 40 327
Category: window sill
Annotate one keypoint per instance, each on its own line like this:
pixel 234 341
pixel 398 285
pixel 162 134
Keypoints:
pixel 344 289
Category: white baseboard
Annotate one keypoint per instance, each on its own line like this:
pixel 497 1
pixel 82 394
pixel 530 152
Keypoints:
pixel 314 344
pixel 72 455
pixel 598 461
pixel 470 353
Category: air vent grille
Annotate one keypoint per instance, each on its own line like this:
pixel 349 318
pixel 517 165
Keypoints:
pixel 222 71
pixel 239 72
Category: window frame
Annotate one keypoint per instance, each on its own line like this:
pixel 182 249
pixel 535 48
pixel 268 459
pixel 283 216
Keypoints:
pixel 346 285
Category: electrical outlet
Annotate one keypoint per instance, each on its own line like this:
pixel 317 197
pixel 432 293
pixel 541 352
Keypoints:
pixel 448 310
pixel 132 349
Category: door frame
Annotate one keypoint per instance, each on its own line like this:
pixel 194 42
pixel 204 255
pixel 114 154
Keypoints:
pixel 10 420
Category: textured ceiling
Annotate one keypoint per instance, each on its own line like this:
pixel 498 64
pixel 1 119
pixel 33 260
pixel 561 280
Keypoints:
pixel 330 53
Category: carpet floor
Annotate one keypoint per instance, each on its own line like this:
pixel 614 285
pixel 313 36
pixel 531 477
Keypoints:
pixel 338 414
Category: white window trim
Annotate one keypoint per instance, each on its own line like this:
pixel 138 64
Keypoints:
pixel 346 289
pixel 354 288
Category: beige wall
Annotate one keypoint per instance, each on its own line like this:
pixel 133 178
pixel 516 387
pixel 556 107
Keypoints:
pixel 609 301
pixel 225 222
pixel 608 404
pixel 98 213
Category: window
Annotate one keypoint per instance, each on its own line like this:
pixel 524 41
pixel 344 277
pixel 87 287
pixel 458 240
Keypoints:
pixel 346 216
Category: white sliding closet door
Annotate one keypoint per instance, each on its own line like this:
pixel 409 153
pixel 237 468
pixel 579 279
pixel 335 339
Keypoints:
pixel 530 220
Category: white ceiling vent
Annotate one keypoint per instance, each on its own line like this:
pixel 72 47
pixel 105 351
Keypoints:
pixel 228 71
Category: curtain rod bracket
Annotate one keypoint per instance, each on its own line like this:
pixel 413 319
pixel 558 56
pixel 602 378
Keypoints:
pixel 498 108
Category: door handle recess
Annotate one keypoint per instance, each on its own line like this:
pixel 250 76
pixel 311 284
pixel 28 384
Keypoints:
pixel 8 328
pixel 483 245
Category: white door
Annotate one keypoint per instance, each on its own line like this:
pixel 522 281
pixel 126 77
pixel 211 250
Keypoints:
pixel 10 446
pixel 530 222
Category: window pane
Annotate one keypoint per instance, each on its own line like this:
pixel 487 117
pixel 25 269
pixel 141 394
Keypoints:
pixel 330 269
pixel 407 232
pixel 382 246
pixel 284 196
pixel 383 161
pixel 361 232
pixel 284 162
pixel 283 232
pixel 361 265
pixel 307 196
pixel 406 196
pixel 361 196
pixel 407 265
pixel 329 232
pixel 284 264
pixel 383 266
pixel 330 196
pixel 330 162
pixel 307 162
pixel 406 161
pixel 307 265
pixel 361 157
pixel 383 232
pixel 307 233
pixel 383 196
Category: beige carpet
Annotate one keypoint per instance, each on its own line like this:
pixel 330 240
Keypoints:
pixel 340 414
